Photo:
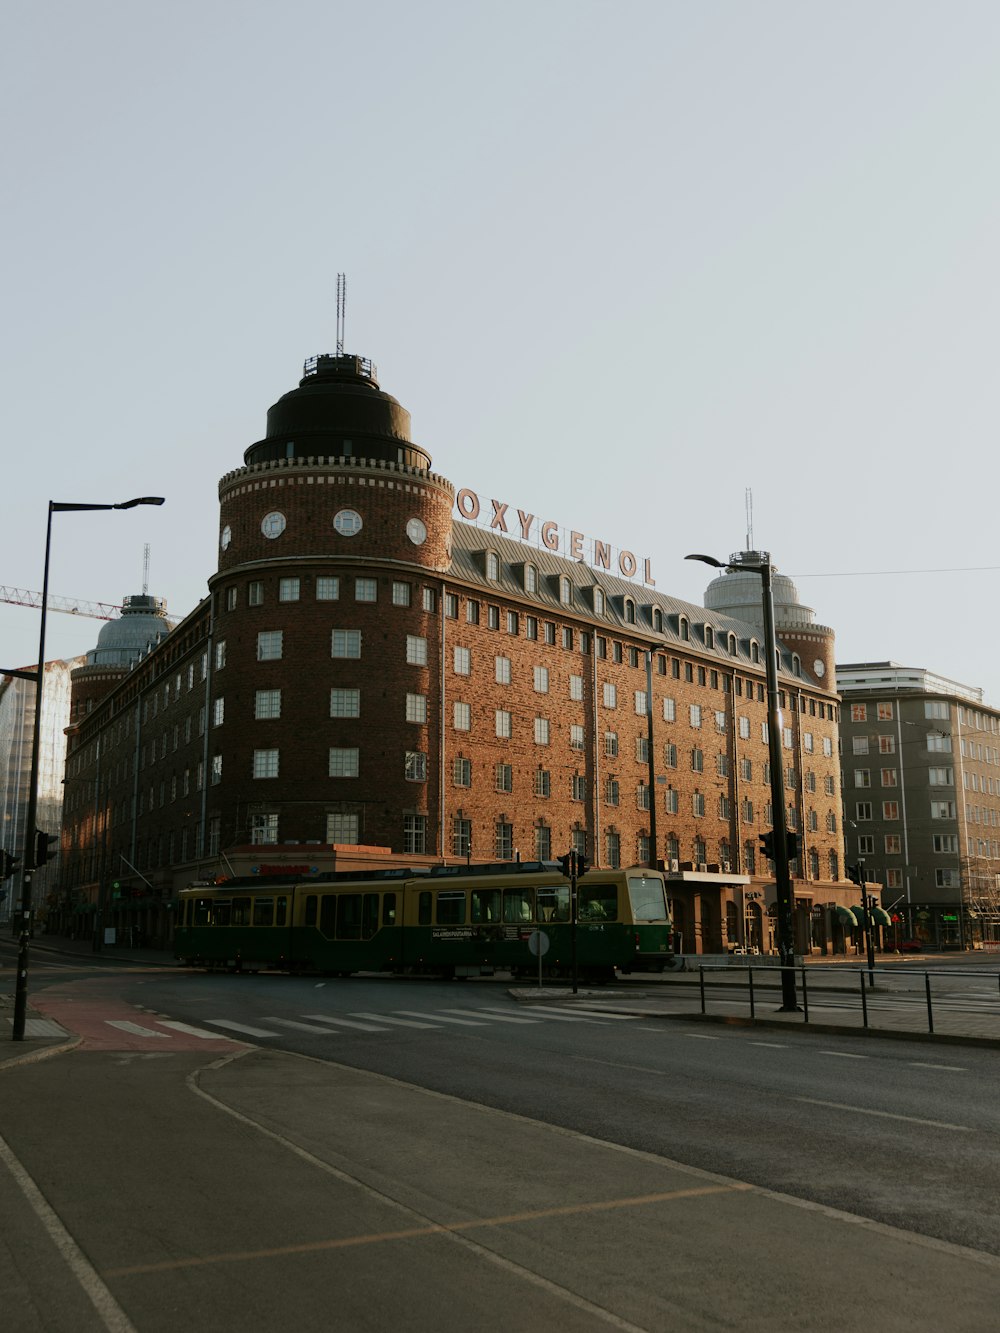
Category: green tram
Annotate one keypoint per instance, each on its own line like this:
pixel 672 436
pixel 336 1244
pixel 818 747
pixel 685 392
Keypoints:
pixel 451 921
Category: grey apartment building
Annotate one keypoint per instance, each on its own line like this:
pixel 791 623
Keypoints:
pixel 921 784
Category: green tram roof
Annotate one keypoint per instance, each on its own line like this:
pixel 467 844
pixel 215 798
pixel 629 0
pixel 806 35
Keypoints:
pixel 395 873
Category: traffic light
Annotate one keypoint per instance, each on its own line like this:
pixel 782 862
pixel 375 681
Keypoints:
pixel 856 874
pixel 42 843
pixel 767 844
pixel 565 864
pixel 792 845
pixel 8 864
pixel 582 865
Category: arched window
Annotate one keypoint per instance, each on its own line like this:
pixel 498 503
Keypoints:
pixel 657 620
pixel 599 603
pixel 733 645
pixel 709 637
pixel 629 609
pixel 565 590
pixel 530 579
pixel 754 651
pixel 683 629
pixel 796 665
pixel 492 566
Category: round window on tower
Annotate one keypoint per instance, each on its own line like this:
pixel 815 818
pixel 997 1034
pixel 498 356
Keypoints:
pixel 273 524
pixel 347 522
pixel 416 531
pixel 225 537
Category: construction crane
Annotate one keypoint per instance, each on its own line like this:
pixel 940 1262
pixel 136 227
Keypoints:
pixel 72 607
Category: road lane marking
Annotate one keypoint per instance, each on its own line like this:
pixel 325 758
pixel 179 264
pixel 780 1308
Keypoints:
pixel 134 1028
pixel 187 1029
pixel 952 1069
pixel 398 1022
pixel 442 1018
pixel 240 1027
pixel 886 1115
pixel 844 1055
pixel 561 1017
pixel 771 1045
pixel 599 1013
pixel 493 1015
pixel 700 1036
pixel 302 1027
pixel 341 1022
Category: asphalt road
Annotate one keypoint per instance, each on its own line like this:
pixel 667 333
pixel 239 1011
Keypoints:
pixel 856 1179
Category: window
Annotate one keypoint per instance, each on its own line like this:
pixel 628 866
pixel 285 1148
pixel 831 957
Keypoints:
pixel 576 739
pixel 613 845
pixel 513 623
pixel 600 604
pixel 611 744
pixel 461 716
pixel 462 661
pixel 541 731
pixel 671 801
pixel 642 749
pixel 828 747
pixel 723 810
pixel 942 809
pixel 576 688
pixel 611 791
pixel 859 745
pixel 503 840
pixel 888 777
pixel 461 837
pixel 461 772
pixel 887 745
pixel 416 650
pixel 492 617
pixel 945 878
pixel 935 708
pixel 501 668
pixel 472 613
pixel 492 566
pixel 938 744
pixel 941 777
pixel 698 805
pixel 255 592
pixel 265 763
pixel 263 829
pixel 722 764
pixel 220 657
pixel 231 595
pixel 288 590
pixel 218 713
pixel 343 762
pixel 342 828
pixel 266 704
pixel 945 842
pixel 345 703
pixel 451 606
pixel 640 703
pixel 883 712
pixel 415 766
pixel 863 810
pixel 416 708
pixel 859 712
pixel 866 844
pixel 543 843
pixel 531 627
pixel 327 589
pixel 697 760
pixel 862 777
pixel 610 693
pixel 503 724
pixel 429 599
pixel 269 645
pixel 415 834
pixel 746 810
pixel 694 711
pixel 893 844
pixel 400 594
pixel 578 787
pixel 530 579
pixel 543 783
pixel 345 643
pixel 541 679
pixel 565 590
pixel 670 755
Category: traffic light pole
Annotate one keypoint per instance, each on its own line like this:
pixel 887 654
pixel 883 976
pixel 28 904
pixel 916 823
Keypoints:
pixel 782 877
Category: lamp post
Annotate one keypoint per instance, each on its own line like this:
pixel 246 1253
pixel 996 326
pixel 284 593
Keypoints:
pixel 30 832
pixel 761 565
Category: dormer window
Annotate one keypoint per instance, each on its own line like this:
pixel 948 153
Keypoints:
pixel 796 665
pixel 683 629
pixel 629 611
pixel 709 637
pixel 754 651
pixel 493 566
pixel 733 645
pixel 565 590
pixel 530 579
pixel 657 620
pixel 600 604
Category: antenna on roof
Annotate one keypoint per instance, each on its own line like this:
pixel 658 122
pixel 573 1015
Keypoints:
pixel 145 569
pixel 749 506
pixel 341 303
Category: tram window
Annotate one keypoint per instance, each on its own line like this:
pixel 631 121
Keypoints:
pixel 597 902
pixel 310 917
pixel 451 909
pixel 388 909
pixel 646 895
pixel 263 911
pixel 518 905
pixel 486 905
pixel 281 913
pixel 328 913
pixel 369 916
pixel 349 916
pixel 424 909
pixel 222 913
pixel 553 904
pixel 241 911
pixel 201 906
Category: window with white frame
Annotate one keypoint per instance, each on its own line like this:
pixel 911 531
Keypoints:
pixel 492 566
pixel 416 650
pixel 611 791
pixel 255 592
pixel 263 829
pixel 220 657
pixel 541 731
pixel 859 744
pixel 576 688
pixel 461 716
pixel 694 714
pixel 343 761
pixel 342 828
pixel 504 724
pixel 610 694
pixel 266 704
pixel 461 836
pixel 543 783
pixel 327 588
pixel 669 710
pixel 265 763
pixel 504 777
pixel 541 679
pixel 640 703
pixel 218 711
pixel 862 777
pixel 945 842
pixel 345 703
pixel 576 737
pixel 611 744
pixel 401 593
pixel 451 606
pixel 415 766
pixel 530 579
pixel 288 590
pixel 578 787
pixel 942 809
pixel 863 810
pixel 345 643
pixel 935 708
pixel 270 643
pixel 415 835
pixel 416 708
pixel 893 844
pixel 365 590
pixel 462 661
pixel 501 668
pixel 461 772
pixel 493 617
pixel 866 844
pixel 947 878
pixel 429 599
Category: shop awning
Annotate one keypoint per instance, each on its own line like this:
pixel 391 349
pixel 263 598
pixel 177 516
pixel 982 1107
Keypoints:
pixel 846 917
pixel 880 916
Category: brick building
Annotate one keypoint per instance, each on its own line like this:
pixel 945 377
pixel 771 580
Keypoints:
pixel 379 670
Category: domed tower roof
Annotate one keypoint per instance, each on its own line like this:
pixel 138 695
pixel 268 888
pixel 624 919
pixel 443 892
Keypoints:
pixel 736 592
pixel 122 642
pixel 338 411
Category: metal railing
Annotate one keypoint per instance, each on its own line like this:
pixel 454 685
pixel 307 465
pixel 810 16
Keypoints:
pixel 868 992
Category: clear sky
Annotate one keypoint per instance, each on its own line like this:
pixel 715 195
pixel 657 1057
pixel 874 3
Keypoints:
pixel 621 261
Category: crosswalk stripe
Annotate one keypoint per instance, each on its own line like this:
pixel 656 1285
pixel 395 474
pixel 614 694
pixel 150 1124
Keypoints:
pixel 397 1022
pixel 442 1018
pixel 344 1022
pixel 599 1013
pixel 302 1027
pixel 240 1027
pixel 187 1029
pixel 559 1017
pixel 493 1015
pixel 125 1026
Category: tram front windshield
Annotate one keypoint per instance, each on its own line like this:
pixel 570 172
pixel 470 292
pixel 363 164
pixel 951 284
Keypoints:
pixel 647 898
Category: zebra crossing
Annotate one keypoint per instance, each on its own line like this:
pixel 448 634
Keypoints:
pixel 347 1024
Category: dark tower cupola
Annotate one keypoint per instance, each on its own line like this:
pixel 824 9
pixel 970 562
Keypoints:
pixel 338 411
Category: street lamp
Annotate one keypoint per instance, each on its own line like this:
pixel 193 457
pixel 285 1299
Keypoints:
pixel 30 832
pixel 761 564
